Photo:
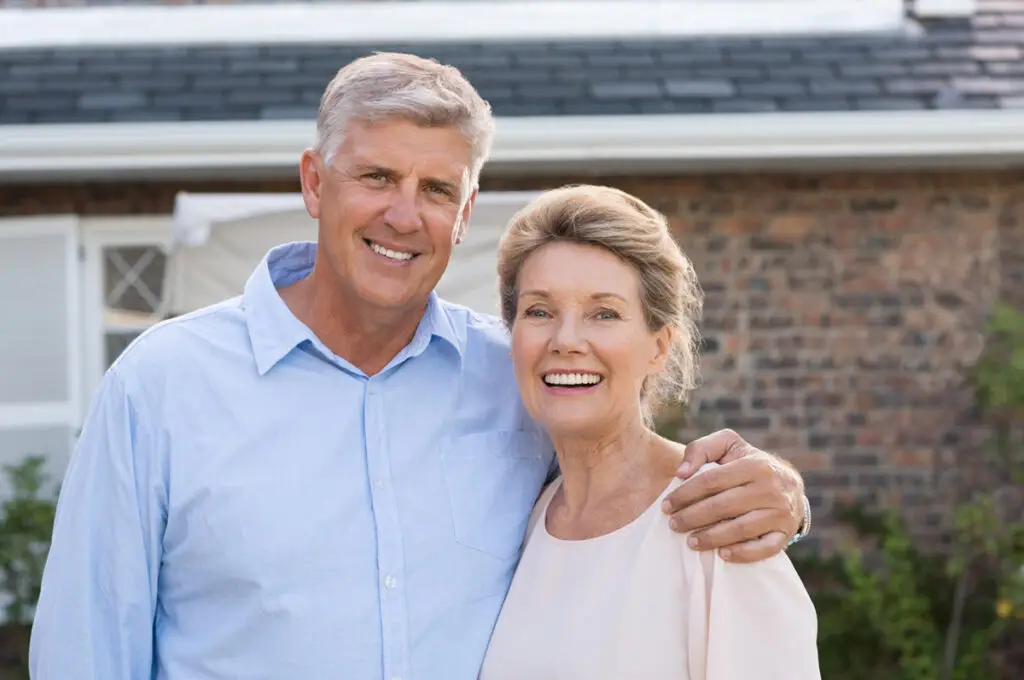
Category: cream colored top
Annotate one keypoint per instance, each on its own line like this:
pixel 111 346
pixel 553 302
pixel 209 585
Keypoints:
pixel 639 603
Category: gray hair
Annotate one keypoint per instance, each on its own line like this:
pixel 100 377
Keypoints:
pixel 394 86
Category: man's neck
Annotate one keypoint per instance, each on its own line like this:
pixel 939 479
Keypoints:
pixel 368 338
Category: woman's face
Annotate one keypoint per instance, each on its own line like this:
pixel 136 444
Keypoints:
pixel 580 346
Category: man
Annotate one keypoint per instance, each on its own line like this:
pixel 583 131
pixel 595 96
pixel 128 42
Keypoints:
pixel 330 476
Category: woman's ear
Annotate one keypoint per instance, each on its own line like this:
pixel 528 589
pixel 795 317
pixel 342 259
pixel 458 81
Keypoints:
pixel 663 349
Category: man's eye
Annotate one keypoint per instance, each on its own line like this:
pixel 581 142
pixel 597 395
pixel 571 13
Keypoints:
pixel 535 313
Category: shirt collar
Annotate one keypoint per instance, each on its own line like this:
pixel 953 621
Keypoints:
pixel 436 323
pixel 274 331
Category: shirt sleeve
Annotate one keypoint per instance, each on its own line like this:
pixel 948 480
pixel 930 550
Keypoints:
pixel 94 618
pixel 749 620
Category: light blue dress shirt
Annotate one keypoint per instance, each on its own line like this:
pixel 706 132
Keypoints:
pixel 243 504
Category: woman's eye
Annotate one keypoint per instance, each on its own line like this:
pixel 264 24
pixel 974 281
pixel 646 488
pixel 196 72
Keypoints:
pixel 607 314
pixel 535 313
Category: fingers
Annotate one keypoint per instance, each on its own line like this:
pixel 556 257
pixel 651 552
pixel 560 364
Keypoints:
pixel 712 482
pixel 722 446
pixel 712 509
pixel 747 508
pixel 756 550
pixel 735 532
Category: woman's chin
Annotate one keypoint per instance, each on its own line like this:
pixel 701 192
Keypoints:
pixel 582 425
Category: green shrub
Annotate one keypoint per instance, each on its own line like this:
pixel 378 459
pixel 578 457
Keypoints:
pixel 26 523
pixel 897 613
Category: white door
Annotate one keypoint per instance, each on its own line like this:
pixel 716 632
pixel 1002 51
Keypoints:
pixel 125 270
pixel 39 341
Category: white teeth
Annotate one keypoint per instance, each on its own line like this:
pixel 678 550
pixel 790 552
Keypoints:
pixel 572 379
pixel 393 254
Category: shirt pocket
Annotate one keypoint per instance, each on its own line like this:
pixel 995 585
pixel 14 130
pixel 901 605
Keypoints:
pixel 493 479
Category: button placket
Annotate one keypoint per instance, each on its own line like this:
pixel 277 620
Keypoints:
pixel 389 539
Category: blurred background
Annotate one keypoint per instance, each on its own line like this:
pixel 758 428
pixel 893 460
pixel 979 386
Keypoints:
pixel 846 175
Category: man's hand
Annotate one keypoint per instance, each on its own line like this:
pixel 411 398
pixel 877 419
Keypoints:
pixel 749 507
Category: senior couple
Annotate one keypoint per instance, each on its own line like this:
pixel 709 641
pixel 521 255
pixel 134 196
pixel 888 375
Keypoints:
pixel 340 475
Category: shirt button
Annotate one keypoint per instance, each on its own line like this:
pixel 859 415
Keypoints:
pixel 378 483
pixel 390 581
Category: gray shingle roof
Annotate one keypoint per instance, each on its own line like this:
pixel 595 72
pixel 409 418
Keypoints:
pixel 976 63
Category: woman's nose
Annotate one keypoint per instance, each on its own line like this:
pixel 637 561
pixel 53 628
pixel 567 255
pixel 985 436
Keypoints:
pixel 568 337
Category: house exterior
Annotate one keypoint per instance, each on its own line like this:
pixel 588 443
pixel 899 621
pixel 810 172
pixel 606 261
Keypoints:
pixel 847 178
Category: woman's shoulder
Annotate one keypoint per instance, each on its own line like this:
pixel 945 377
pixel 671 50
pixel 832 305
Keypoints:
pixel 661 518
pixel 541 506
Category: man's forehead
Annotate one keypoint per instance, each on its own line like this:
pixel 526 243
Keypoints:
pixel 398 145
pixel 440 167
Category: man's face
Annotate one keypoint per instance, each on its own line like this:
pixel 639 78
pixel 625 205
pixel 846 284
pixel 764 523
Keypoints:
pixel 390 206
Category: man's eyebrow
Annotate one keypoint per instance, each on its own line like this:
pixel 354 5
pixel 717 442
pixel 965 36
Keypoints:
pixel 370 167
pixel 450 185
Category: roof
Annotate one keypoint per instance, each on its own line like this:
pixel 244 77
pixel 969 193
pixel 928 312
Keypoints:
pixel 975 63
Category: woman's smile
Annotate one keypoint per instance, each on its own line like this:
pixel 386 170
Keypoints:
pixel 571 382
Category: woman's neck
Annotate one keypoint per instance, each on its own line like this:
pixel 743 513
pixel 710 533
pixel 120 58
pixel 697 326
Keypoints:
pixel 595 470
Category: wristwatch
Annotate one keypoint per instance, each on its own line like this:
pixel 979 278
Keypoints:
pixel 805 527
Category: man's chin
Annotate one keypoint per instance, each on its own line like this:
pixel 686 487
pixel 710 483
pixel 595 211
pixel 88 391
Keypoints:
pixel 386 295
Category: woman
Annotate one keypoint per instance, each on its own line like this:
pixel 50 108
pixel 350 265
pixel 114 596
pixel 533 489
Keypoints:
pixel 602 305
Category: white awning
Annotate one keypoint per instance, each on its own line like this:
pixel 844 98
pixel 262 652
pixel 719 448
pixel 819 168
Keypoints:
pixel 383 23
pixel 195 214
pixel 220 238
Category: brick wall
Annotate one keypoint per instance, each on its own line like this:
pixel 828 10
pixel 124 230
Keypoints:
pixel 841 312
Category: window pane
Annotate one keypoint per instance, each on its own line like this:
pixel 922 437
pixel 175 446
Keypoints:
pixel 33 319
pixel 117 343
pixel 133 277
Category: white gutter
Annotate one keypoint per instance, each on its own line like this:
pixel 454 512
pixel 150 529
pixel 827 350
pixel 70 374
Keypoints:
pixel 536 144
pixel 379 23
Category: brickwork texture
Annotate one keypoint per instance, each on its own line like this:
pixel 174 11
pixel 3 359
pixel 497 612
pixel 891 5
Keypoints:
pixel 842 313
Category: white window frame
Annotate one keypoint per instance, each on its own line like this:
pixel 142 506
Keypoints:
pixel 460 21
pixel 96 234
pixel 57 413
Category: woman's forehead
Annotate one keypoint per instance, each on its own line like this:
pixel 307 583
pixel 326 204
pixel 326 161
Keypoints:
pixel 565 269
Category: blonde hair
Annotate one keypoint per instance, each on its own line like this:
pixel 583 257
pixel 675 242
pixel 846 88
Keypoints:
pixel 389 86
pixel 638 235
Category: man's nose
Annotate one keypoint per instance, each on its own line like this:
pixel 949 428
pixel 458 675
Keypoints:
pixel 403 213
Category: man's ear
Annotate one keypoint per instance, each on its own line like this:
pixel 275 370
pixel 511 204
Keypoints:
pixel 311 176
